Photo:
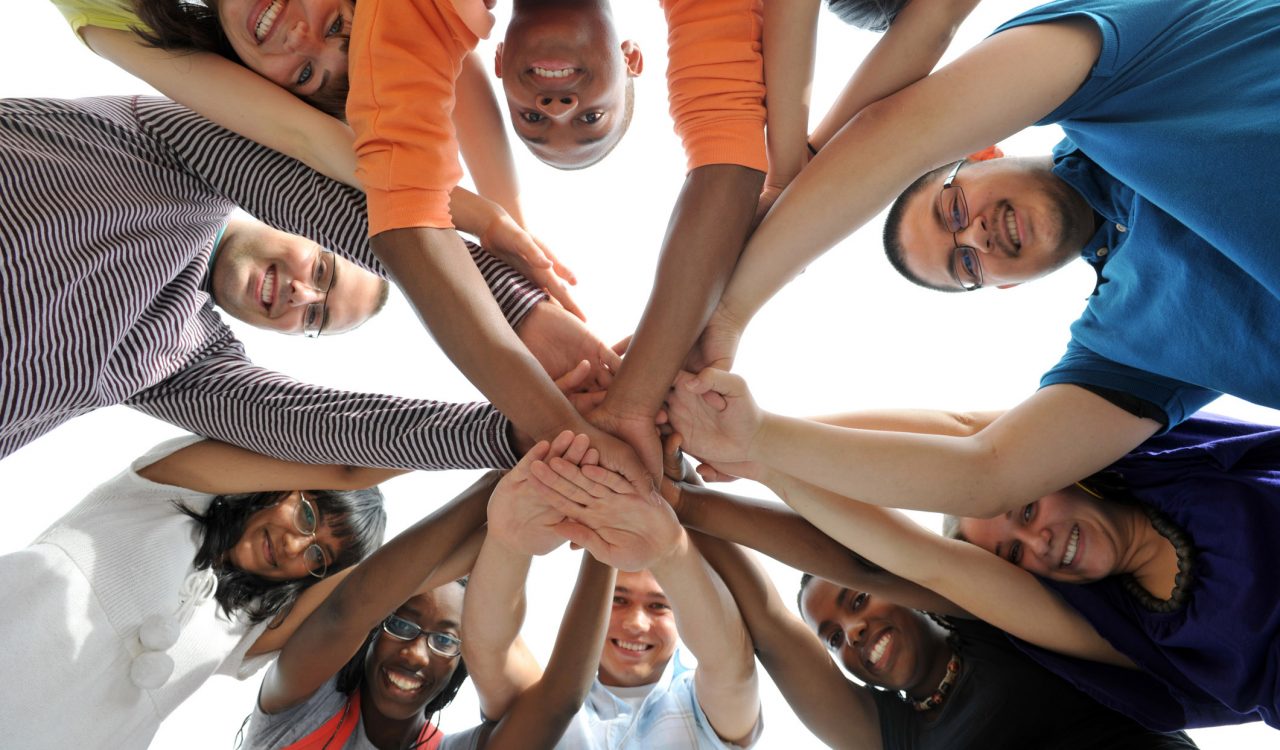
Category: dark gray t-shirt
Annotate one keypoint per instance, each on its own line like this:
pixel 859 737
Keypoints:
pixel 1002 699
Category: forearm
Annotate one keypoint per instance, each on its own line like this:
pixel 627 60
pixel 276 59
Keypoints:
pixel 785 535
pixel 540 716
pixel 493 612
pixel 790 38
pixel 483 141
pixel 907 52
pixel 225 397
pixel 996 469
pixel 992 589
pixel 837 711
pixel 708 227
pixel 711 627
pixel 376 587
pixel 920 421
pixel 238 99
pixel 433 269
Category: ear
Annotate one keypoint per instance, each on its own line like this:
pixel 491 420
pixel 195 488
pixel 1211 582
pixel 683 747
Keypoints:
pixel 497 61
pixel 634 59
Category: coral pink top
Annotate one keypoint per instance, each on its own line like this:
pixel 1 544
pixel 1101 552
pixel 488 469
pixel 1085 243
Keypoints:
pixel 405 57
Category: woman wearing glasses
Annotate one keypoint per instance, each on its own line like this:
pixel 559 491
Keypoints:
pixel 382 655
pixel 200 558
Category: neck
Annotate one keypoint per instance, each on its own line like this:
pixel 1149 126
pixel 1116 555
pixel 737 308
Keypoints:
pixel 1149 557
pixel 386 733
pixel 938 654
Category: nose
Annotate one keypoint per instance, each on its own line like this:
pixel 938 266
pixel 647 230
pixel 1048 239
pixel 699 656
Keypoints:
pixel 1035 541
pixel 635 621
pixel 295 543
pixel 976 235
pixel 303 294
pixel 300 40
pixel 855 629
pixel 557 105
pixel 415 652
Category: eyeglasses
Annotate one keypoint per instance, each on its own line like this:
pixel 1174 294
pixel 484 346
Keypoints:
pixel 401 629
pixel 965 266
pixel 307 521
pixel 316 314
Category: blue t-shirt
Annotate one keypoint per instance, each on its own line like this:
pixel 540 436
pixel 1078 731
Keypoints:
pixel 1173 139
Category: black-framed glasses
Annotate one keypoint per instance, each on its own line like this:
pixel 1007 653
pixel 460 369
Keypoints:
pixel 954 209
pixel 323 274
pixel 401 629
pixel 307 521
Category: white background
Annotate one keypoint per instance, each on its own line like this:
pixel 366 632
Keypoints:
pixel 849 334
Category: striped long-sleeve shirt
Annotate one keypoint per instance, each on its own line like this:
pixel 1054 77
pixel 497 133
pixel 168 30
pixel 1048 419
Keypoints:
pixel 108 212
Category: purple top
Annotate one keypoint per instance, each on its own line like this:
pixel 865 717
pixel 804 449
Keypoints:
pixel 1215 660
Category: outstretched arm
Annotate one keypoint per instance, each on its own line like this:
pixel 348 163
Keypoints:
pixel 787 537
pixel 631 532
pixel 839 712
pixel 907 52
pixel 335 630
pixel 540 715
pixel 996 89
pixel 992 589
pixel 983 474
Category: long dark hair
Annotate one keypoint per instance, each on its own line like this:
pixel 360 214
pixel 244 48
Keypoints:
pixel 356 518
pixel 190 26
pixel 351 676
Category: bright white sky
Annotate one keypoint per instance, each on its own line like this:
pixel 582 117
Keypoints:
pixel 847 335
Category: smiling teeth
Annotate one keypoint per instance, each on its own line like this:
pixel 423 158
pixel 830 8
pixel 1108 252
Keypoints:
pixel 1011 224
pixel 1072 543
pixel 269 287
pixel 548 73
pixel 877 651
pixel 407 684
pixel 629 646
pixel 267 18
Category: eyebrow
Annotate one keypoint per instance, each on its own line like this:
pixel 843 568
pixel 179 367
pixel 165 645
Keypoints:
pixel 841 597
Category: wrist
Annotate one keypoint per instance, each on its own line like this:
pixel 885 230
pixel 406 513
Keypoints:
pixel 668 562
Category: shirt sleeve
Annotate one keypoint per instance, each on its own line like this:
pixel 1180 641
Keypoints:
pixel 291 197
pixel 1083 367
pixel 715 80
pixel 226 397
pixel 404 59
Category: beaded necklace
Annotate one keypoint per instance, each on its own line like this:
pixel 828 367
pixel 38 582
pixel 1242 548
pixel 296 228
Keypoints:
pixel 936 698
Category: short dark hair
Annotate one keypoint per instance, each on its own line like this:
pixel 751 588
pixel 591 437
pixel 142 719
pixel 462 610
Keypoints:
pixel 872 15
pixel 893 248
pixel 185 26
pixel 805 578
pixel 356 518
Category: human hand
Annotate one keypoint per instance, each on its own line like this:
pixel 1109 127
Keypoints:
pixel 619 527
pixel 572 385
pixel 523 513
pixel 639 431
pixel 716 414
pixel 559 341
pixel 718 344
pixel 505 239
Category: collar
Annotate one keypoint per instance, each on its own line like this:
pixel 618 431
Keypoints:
pixel 207 283
pixel 1109 198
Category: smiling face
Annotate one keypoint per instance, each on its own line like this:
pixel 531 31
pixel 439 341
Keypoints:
pixel 879 642
pixel 402 677
pixel 642 633
pixel 1066 536
pixel 565 75
pixel 266 278
pixel 300 45
pixel 1023 223
pixel 272 547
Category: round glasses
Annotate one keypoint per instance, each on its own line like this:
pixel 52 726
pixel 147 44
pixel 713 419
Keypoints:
pixel 323 273
pixel 966 269
pixel 401 629
pixel 307 521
